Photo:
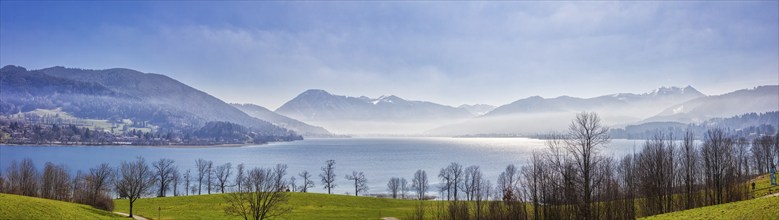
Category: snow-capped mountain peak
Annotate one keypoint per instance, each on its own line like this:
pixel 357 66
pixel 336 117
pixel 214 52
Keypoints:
pixel 386 99
pixel 665 91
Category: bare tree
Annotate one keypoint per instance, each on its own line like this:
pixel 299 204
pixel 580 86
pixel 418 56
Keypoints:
pixel 62 186
pixel 765 156
pixel 360 182
pixel 394 187
pixel 627 181
pixel 586 135
pixel 223 175
pixel 239 175
pixel 471 181
pixel 56 182
pixel 559 191
pixel 210 175
pixel 47 181
pixel 655 175
pixel 742 158
pixel 716 153
pixel 419 184
pixel 2 183
pixel 134 180
pixel 187 178
pixel 758 155
pixel 293 185
pixel 193 189
pixel 508 183
pixel 482 194
pixel 307 182
pixel 176 180
pixel 533 175
pixel 202 169
pixel 260 195
pixel 403 188
pixel 82 192
pixel 446 183
pixel 452 177
pixel 99 177
pixel 689 160
pixel 328 175
pixel 23 178
pixel 163 175
pixel 741 154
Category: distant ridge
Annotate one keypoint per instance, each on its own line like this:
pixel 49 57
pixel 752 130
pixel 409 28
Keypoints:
pixel 120 94
pixel 478 109
pixel 536 114
pixel 283 121
pixel 661 96
pixel 759 99
pixel 386 114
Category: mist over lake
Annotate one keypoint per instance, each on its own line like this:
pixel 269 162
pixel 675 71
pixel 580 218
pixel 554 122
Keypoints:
pixel 379 158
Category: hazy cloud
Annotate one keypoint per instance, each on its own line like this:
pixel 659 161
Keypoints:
pixel 453 53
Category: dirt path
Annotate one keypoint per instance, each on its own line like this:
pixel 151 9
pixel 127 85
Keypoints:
pixel 770 195
pixel 136 217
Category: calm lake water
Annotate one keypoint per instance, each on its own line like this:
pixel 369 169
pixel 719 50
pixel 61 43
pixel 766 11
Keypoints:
pixel 379 158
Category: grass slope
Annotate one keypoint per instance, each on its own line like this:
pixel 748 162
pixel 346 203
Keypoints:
pixel 305 206
pixel 323 206
pixel 24 207
pixel 763 186
pixel 761 208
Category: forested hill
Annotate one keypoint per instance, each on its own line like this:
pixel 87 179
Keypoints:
pixel 154 100
pixel 750 125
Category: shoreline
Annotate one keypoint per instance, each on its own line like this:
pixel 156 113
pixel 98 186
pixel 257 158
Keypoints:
pixel 130 145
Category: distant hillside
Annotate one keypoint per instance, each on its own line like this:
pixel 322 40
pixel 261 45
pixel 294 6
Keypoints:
pixel 749 125
pixel 282 121
pixel 759 99
pixel 363 115
pixel 540 115
pixel 120 94
pixel 656 99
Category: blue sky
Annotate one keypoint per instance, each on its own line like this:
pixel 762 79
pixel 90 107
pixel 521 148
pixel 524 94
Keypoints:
pixel 447 52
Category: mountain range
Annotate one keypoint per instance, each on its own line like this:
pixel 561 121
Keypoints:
pixel 117 94
pixel 758 99
pixel 363 115
pixel 540 115
pixel 664 96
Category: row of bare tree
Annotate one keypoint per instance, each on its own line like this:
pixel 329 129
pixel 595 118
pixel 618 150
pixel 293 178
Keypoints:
pixel 572 179
pixel 56 182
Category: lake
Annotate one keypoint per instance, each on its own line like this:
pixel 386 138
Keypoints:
pixel 379 158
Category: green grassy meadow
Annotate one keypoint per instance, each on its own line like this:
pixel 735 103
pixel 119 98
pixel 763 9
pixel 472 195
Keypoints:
pixel 760 208
pixel 23 207
pixel 323 206
pixel 762 186
pixel 304 206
